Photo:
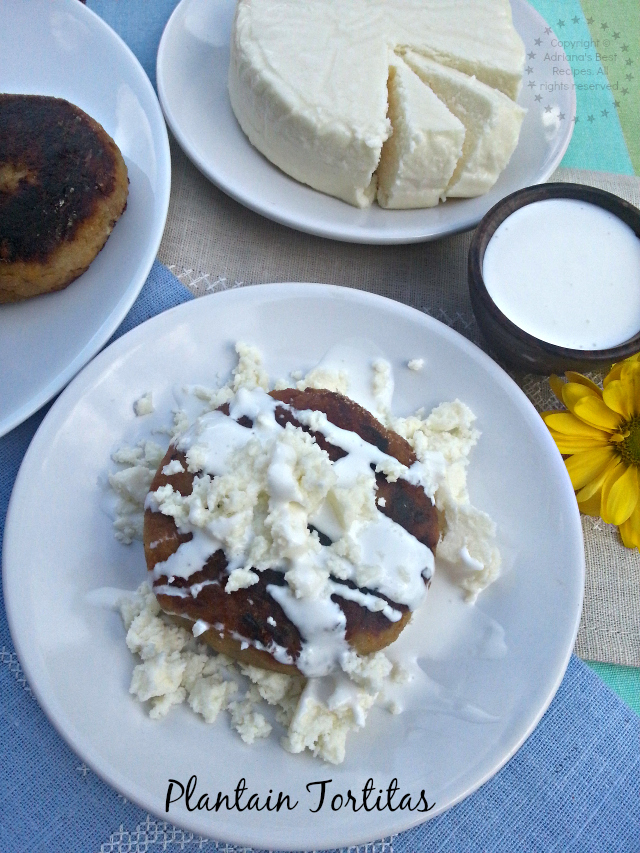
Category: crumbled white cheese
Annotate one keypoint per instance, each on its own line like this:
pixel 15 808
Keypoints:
pixel 180 423
pixel 261 532
pixel 231 502
pixel 249 372
pixel 144 405
pixel 324 730
pixel 146 453
pixel 131 485
pixel 273 687
pixel 161 705
pixel 240 579
pixel 382 386
pixel 132 605
pixel 157 676
pixel 213 398
pixel 415 364
pixel 469 544
pixel 149 636
pixel 173 467
pixel 175 668
pixel 246 720
pixel 369 672
pixel 329 380
pixel 449 431
pixel 400 675
pixel 209 696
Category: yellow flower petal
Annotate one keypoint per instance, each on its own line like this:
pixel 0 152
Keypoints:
pixel 613 374
pixel 616 398
pixel 568 444
pixel 585 404
pixel 620 492
pixel 630 378
pixel 611 477
pixel 592 505
pixel 583 380
pixel 594 411
pixel 630 529
pixel 595 486
pixel 574 391
pixel 623 394
pixel 586 466
pixel 616 370
pixel 557 385
pixel 569 424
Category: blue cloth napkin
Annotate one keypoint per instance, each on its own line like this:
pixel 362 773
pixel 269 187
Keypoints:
pixel 574 785
pixel 139 23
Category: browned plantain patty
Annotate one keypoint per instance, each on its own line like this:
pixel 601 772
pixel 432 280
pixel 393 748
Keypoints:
pixel 244 612
pixel 63 186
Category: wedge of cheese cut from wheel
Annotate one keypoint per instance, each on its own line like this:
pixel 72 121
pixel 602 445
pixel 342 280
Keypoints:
pixel 308 78
pixel 476 37
pixel 420 156
pixel 492 122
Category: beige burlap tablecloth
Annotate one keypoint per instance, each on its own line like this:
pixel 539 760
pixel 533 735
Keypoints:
pixel 212 243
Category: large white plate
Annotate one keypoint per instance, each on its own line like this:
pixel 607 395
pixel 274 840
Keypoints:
pixel 192 67
pixel 64 49
pixel 59 548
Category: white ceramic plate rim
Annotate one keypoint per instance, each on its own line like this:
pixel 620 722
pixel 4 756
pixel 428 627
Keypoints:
pixel 163 186
pixel 41 445
pixel 302 214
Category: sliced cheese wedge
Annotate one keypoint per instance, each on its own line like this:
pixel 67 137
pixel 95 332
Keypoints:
pixel 491 119
pixel 476 37
pixel 419 158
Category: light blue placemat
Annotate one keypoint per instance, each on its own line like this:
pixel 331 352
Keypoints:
pixel 139 23
pixel 572 787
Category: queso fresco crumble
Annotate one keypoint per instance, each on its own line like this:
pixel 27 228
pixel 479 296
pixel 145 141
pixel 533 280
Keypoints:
pixel 316 713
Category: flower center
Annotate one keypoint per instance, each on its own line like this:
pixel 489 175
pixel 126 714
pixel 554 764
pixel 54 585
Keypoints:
pixel 629 447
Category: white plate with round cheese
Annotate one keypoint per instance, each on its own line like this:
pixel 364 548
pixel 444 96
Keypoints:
pixel 192 71
pixel 491 668
pixel 44 341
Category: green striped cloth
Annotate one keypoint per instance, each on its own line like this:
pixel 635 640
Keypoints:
pixel 601 41
pixel 623 680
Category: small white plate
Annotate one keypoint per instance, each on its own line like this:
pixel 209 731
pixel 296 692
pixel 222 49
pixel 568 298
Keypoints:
pixel 192 68
pixel 493 667
pixel 64 49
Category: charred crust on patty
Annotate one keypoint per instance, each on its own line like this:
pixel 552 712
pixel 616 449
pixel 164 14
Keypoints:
pixel 63 186
pixel 244 613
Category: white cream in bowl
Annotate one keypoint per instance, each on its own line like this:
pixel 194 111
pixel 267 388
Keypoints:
pixel 567 272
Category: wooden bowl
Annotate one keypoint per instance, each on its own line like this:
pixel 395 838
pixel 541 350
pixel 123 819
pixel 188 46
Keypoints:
pixel 517 347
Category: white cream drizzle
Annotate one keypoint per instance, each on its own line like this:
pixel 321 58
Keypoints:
pixel 199 627
pixel 391 561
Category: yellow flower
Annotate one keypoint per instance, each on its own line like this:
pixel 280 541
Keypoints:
pixel 599 436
